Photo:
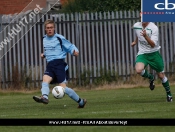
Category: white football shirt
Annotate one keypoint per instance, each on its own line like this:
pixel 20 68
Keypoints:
pixel 152 32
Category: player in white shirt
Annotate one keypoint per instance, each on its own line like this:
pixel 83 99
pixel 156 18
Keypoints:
pixel 147 39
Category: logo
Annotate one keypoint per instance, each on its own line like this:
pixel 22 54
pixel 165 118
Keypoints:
pixel 165 6
pixel 158 10
pixel 56 89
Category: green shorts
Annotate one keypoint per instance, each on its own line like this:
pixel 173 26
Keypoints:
pixel 153 59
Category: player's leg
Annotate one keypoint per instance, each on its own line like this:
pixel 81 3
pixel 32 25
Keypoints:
pixel 166 85
pixel 158 66
pixel 141 63
pixel 44 90
pixel 61 79
pixel 47 78
pixel 45 86
pixel 73 95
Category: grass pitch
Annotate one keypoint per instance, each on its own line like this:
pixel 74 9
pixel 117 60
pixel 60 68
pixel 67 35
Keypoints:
pixel 113 103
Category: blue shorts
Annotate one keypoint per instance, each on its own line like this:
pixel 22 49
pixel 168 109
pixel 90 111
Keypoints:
pixel 58 70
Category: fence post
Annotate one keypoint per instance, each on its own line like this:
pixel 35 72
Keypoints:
pixel 1 58
pixel 78 46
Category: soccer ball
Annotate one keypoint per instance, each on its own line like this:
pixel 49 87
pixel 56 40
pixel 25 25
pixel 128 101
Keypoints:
pixel 58 92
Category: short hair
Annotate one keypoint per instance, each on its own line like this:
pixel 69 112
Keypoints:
pixel 49 21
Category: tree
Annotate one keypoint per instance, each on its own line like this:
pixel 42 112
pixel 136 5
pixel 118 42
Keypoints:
pixel 71 6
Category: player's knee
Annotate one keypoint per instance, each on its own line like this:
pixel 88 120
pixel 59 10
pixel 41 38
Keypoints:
pixel 161 75
pixel 139 71
pixel 47 79
pixel 139 67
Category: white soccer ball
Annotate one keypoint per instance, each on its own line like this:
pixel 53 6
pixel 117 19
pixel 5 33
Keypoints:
pixel 58 92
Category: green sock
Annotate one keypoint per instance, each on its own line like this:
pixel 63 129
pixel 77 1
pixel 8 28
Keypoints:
pixel 148 75
pixel 167 87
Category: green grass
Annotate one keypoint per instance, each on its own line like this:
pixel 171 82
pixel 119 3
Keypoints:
pixel 116 103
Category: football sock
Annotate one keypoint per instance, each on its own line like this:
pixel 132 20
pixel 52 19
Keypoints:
pixel 145 74
pixel 72 94
pixel 45 90
pixel 166 85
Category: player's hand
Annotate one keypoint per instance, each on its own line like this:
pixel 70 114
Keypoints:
pixel 75 53
pixel 42 55
pixel 143 33
pixel 133 44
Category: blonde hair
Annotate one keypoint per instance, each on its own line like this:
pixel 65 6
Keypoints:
pixel 49 21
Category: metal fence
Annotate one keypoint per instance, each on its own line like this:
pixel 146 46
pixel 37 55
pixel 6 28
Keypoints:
pixel 103 40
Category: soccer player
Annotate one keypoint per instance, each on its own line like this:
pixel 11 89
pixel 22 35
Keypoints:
pixel 148 54
pixel 56 48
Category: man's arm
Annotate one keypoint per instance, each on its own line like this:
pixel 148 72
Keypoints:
pixel 154 37
pixel 151 43
pixel 70 48
pixel 135 42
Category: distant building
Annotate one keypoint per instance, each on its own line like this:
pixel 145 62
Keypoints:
pixel 14 7
pixel 10 9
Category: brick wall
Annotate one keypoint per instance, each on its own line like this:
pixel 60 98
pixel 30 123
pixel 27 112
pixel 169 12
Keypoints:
pixel 16 6
pixel 63 1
